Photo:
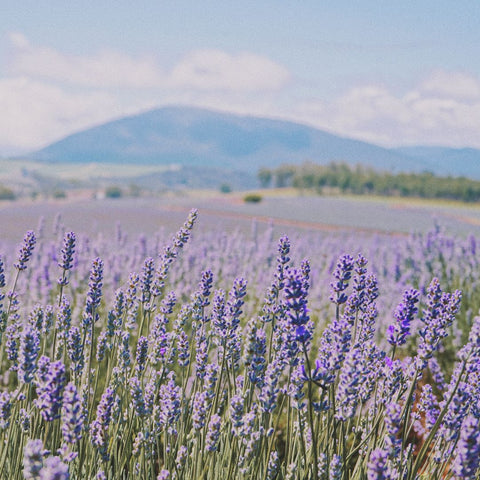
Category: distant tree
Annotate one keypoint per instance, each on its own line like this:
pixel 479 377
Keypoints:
pixel 225 188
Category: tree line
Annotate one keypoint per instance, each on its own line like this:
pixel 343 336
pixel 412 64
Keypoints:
pixel 362 180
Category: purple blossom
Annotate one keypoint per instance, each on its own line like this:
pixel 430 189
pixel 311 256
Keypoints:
pixel 437 317
pixel 136 393
pixel 377 465
pixel 141 356
pixel 26 251
pixel 170 401
pixel 94 293
pixel 296 305
pixel 66 262
pixel 33 459
pixel 467 457
pixel 29 349
pixel 342 274
pixel 5 409
pixel 269 394
pixel 146 279
pixel 335 472
pixel 200 407
pixel 54 469
pixel 213 433
pixel 99 427
pixel 49 387
pixel 75 350
pixel 404 315
pixel 72 415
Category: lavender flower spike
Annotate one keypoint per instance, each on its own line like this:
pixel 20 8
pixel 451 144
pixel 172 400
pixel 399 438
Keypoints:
pixel 296 304
pixel 32 459
pixel 342 275
pixel 66 262
pixel 468 450
pixel 404 314
pixel 72 415
pixel 25 251
pixel 54 469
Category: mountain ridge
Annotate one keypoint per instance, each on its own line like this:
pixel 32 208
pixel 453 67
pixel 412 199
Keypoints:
pixel 191 136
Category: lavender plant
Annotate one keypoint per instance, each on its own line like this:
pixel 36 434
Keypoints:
pixel 185 371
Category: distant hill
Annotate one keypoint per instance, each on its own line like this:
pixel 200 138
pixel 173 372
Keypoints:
pixel 195 137
pixel 446 161
pixel 198 137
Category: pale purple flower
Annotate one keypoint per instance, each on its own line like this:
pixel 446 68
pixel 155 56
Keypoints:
pixel 50 384
pixel 213 433
pixel 404 315
pixel 33 459
pixel 54 469
pixel 467 457
pixel 26 251
pixel 29 349
pixel 72 415
pixel 5 409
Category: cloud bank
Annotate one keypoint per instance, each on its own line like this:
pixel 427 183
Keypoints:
pixel 46 94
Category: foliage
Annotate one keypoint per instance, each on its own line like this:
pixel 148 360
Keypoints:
pixel 364 180
pixel 252 198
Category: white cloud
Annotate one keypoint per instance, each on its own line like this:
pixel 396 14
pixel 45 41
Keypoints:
pixel 35 113
pixel 443 109
pixel 214 69
pixel 201 69
pixel 49 94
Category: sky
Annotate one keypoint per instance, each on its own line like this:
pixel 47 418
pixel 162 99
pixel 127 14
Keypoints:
pixel 394 73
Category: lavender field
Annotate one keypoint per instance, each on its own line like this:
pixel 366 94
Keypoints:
pixel 231 350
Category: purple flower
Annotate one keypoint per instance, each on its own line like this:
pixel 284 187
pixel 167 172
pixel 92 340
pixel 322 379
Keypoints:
pixel 377 465
pixel 213 433
pixel 200 407
pixel 136 392
pixel 269 394
pixel 437 317
pixel 170 401
pixel 404 315
pixel 54 469
pixel 29 349
pixel 49 386
pixel 99 427
pixel 350 378
pixel 163 475
pixel 467 458
pixel 5 409
pixel 75 350
pixel 237 404
pixel 94 294
pixel 342 274
pixel 146 279
pixel 66 262
pixel 26 251
pixel 141 356
pixel 335 472
pixel 33 459
pixel 72 415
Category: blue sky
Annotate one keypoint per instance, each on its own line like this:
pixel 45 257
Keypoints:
pixel 393 73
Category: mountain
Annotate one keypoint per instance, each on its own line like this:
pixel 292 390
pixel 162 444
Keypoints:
pixel 199 137
pixel 204 139
pixel 446 161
